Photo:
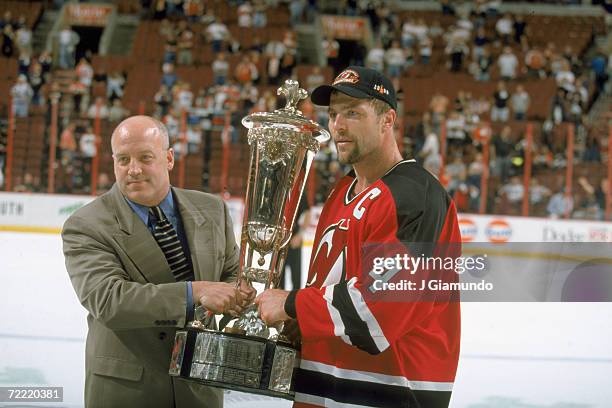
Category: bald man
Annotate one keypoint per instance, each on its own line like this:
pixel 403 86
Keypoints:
pixel 127 280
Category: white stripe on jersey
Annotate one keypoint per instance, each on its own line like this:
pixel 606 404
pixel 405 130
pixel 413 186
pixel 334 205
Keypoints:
pixel 366 315
pixel 339 329
pixel 356 375
pixel 323 402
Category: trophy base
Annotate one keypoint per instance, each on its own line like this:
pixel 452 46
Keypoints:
pixel 234 361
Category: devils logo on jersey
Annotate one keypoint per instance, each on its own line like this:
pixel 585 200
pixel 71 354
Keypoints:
pixel 330 255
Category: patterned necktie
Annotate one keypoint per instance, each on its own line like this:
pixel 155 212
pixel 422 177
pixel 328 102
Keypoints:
pixel 169 242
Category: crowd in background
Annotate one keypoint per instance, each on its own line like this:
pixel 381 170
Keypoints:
pixel 400 47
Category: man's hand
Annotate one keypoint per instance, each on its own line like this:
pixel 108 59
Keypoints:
pixel 247 292
pixel 271 306
pixel 218 297
pixel 291 330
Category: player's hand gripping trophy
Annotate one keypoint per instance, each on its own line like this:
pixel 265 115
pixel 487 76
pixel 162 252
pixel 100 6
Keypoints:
pixel 247 355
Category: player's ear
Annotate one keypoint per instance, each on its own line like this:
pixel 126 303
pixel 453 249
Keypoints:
pixel 388 119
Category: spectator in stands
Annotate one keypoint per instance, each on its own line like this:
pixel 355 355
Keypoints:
pixel 23 64
pixel 7 19
pixel 572 58
pixel 36 80
pixel 89 149
pixel 559 111
pixel 457 51
pixel 425 50
pixel 456 173
pixel 421 130
pixel 430 154
pixel 508 64
pixel 296 11
pixel 475 171
pixel 84 72
pixel 482 65
pixel 114 86
pixel 600 193
pixel 163 100
pixel 8 41
pixel 98 109
pixel 248 96
pixel 260 18
pixel 194 139
pixel 520 101
pixel 589 207
pixel 410 32
pixel 220 68
pixel 117 112
pixel 104 183
pixel 592 150
pixel 193 10
pixel 185 44
pixel 535 61
pixel 68 41
pixel 245 71
pixel 504 28
pixel 438 106
pixel 395 59
pixel 575 110
pixel 170 48
pixel 560 204
pixel 30 184
pixel 68 145
pixel 287 64
pixel 538 194
pixel 23 39
pixel 376 57
pixel 598 67
pixel 481 40
pixel 502 150
pixel 564 76
pixel 45 61
pixel 169 77
pixel 183 97
pixel 331 48
pixel 217 33
pixel 22 94
pixel 500 111
pixel 519 28
pixel 513 191
pixel 275 51
pixel 456 132
pixel 245 14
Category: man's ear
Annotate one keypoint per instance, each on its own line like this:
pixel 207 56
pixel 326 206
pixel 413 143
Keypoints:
pixel 170 158
pixel 388 119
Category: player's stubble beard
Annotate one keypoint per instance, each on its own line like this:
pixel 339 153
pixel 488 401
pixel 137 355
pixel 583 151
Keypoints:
pixel 352 157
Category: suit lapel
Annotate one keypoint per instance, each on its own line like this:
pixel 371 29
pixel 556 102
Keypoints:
pixel 138 242
pixel 200 236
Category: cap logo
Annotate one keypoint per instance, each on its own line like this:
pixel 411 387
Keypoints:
pixel 381 89
pixel 348 75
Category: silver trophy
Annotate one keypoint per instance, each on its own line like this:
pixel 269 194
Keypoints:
pixel 248 355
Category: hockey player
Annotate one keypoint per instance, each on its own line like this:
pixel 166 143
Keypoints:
pixel 360 350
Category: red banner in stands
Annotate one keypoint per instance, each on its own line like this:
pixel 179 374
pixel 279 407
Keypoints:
pixel 345 28
pixel 88 14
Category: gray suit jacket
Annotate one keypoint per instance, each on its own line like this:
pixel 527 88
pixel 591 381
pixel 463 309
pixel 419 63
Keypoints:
pixel 121 277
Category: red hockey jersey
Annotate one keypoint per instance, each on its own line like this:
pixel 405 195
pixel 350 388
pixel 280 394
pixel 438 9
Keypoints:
pixel 362 352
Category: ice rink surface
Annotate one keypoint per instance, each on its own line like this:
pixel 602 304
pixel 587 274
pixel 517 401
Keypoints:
pixel 522 355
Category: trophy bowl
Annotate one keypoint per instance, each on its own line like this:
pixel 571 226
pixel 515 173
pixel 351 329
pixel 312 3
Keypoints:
pixel 245 354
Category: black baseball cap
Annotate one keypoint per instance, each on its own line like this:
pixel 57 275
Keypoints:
pixel 358 82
